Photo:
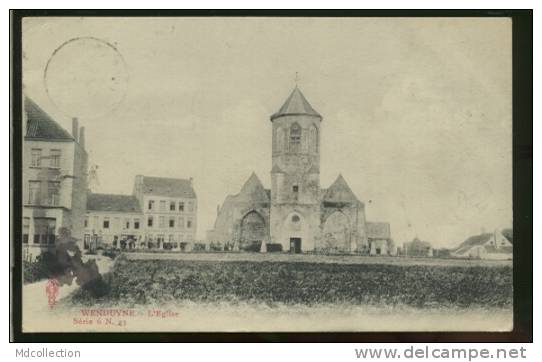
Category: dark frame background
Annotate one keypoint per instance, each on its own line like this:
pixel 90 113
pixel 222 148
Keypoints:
pixel 522 94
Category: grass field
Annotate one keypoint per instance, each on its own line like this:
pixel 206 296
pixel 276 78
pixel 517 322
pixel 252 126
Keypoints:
pixel 309 280
pixel 315 258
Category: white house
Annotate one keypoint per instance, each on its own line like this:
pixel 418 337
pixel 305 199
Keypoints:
pixel 493 246
pixel 113 220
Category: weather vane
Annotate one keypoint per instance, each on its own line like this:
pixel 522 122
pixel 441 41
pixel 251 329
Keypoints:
pixel 296 78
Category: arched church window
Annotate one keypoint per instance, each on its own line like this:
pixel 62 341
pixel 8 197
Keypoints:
pixel 295 138
pixel 314 139
pixel 279 141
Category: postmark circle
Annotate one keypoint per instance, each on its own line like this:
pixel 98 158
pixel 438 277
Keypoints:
pixel 86 77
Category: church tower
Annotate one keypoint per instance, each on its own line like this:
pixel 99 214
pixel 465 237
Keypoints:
pixel 295 174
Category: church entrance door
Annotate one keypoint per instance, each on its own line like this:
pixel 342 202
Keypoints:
pixel 295 245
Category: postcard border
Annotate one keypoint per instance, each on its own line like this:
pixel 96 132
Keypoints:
pixel 522 24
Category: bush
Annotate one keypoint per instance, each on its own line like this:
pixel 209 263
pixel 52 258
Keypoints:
pixel 45 266
pixel 153 281
pixel 111 253
pixel 273 247
pixel 34 271
pixel 253 246
pixel 216 247
pixel 198 247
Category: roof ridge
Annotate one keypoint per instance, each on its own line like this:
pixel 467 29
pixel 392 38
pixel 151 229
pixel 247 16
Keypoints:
pixel 167 178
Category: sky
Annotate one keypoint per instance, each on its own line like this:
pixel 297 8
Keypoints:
pixel 417 112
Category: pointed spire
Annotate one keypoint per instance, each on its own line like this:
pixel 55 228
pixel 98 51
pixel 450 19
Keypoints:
pixel 296 105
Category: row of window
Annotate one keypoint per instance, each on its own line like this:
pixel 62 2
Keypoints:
pixel 38 195
pixel 173 206
pixel 171 222
pixel 37 158
pixel 148 237
pixel 135 223
pixel 132 244
pixel 295 140
pixel 106 222
pixel 159 238
pixel 43 230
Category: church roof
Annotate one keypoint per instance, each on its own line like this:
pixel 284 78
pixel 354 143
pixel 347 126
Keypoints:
pixel 276 169
pixel 339 192
pixel 253 190
pixel 40 125
pixel 378 230
pixel 296 105
pixel 313 169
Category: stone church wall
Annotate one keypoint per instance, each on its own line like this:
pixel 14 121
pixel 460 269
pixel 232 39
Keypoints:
pixel 295 221
pixel 342 229
pixel 228 226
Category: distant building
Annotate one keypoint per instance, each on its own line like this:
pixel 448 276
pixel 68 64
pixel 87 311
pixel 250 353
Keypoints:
pixel 113 220
pixel 295 213
pixel 442 253
pixel 494 246
pixel 379 239
pixel 418 248
pixel 54 180
pixel 169 207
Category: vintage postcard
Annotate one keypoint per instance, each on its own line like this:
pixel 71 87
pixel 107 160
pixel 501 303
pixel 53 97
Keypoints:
pixel 266 174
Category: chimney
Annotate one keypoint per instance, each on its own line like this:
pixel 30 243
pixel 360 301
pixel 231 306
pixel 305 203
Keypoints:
pixel 191 180
pixel 217 209
pixel 138 185
pixel 82 137
pixel 75 128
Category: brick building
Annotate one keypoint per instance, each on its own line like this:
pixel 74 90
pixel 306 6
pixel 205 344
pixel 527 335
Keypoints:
pixel 295 212
pixel 54 180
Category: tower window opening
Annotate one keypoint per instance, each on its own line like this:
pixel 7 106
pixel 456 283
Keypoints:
pixel 295 138
pixel 295 188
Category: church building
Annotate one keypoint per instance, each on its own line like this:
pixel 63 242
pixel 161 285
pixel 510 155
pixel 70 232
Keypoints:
pixel 296 214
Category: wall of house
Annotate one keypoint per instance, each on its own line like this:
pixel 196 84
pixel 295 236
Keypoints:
pixel 64 211
pixel 117 226
pixel 185 222
pixel 45 172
